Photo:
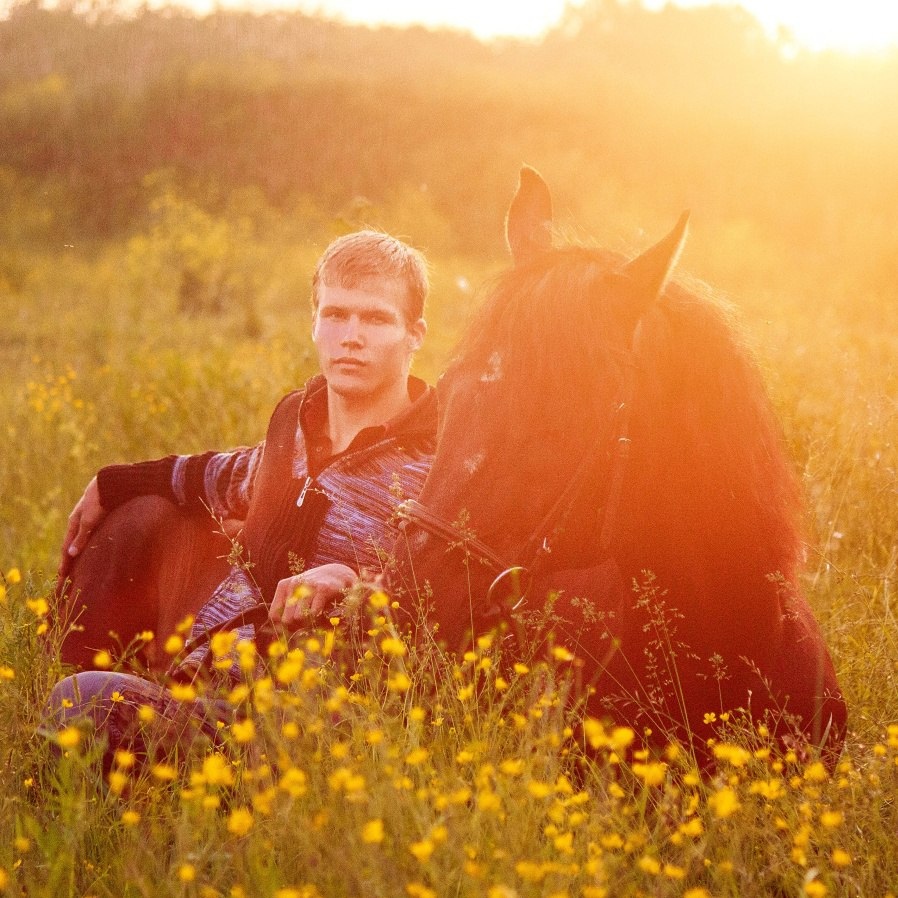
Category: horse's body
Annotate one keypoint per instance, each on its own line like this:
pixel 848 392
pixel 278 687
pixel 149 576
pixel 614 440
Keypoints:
pixel 704 499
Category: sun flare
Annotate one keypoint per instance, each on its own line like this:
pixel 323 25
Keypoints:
pixel 856 27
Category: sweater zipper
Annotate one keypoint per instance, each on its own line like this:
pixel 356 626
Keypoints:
pixel 302 493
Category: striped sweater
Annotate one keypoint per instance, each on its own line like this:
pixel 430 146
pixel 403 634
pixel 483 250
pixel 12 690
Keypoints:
pixel 355 494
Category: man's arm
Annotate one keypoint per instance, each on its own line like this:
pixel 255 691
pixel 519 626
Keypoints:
pixel 219 481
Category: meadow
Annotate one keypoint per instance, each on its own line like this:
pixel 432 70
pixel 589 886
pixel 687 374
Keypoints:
pixel 169 311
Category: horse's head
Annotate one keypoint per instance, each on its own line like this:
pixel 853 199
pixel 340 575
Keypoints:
pixel 531 404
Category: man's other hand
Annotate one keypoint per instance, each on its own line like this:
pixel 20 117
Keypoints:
pixel 84 519
pixel 300 599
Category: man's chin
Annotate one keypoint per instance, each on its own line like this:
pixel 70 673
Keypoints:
pixel 348 388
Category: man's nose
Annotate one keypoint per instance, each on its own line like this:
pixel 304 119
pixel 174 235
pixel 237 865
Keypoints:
pixel 352 331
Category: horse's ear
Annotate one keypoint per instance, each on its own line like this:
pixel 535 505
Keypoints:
pixel 528 224
pixel 649 272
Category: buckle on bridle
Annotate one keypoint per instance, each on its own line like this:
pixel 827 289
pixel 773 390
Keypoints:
pixel 514 598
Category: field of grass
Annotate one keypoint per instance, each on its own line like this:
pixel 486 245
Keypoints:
pixel 154 162
pixel 422 776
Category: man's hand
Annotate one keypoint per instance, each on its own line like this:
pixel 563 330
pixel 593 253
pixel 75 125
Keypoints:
pixel 84 519
pixel 299 600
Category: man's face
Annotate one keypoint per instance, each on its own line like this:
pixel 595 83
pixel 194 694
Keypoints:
pixel 363 340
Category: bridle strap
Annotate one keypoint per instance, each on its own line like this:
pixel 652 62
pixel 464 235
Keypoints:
pixel 413 512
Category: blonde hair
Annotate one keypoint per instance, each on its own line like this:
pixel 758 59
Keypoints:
pixel 357 259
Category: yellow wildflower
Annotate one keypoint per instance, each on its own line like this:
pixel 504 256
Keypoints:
pixel 240 822
pixel 724 803
pixel 187 873
pixel 174 644
pixel 68 737
pixel 373 832
pixel 130 818
pixel 243 730
pixel 651 774
pixel 183 692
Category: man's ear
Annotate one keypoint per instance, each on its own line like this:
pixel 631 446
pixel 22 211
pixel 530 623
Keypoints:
pixel 417 331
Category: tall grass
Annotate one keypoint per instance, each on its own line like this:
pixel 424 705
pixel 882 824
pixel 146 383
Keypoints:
pixel 420 775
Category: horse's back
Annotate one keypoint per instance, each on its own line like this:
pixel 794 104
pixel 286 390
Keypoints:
pixel 146 567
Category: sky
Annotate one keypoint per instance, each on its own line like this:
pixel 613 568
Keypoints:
pixel 848 25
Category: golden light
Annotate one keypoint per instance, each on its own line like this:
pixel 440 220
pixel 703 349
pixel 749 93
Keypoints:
pixel 856 26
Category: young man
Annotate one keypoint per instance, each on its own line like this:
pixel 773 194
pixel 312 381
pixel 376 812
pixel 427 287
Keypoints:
pixel 318 493
pixel 321 488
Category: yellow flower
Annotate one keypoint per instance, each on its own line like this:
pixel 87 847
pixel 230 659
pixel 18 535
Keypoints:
pixel 841 858
pixel 733 754
pixel 222 642
pixel 187 873
pixel 125 759
pixel 378 600
pixel 649 865
pixel 164 772
pixel 418 756
pixel 217 771
pixel 815 889
pixel 391 646
pixel 621 737
pixel 651 774
pixel 373 832
pixel 290 730
pixel 465 692
pixel 724 803
pixel 4 879
pixel 117 782
pixel 419 890
pixel 399 682
pixel 130 818
pixel 512 767
pixel 240 822
pixel 38 607
pixel 22 844
pixel 294 782
pixel 832 819
pixel 145 713
pixel 521 669
pixel 243 730
pixel 560 653
pixel 696 893
pixel 2 593
pixel 422 850
pixel 816 773
pixel 69 737
pixel 174 644
pixel 183 692
pixel 14 575
pixel 7 673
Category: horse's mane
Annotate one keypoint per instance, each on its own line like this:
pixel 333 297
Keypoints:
pixel 708 483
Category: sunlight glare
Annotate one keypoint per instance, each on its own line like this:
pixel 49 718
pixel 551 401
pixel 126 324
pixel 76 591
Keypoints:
pixel 860 26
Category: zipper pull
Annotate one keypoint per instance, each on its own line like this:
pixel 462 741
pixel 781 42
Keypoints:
pixel 303 491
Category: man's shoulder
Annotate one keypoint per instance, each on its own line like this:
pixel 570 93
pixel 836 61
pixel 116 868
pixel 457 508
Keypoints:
pixel 313 386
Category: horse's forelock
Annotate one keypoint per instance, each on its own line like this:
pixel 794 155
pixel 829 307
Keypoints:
pixel 548 329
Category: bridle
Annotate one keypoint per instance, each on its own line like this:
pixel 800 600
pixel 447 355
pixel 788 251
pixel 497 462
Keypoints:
pixel 536 550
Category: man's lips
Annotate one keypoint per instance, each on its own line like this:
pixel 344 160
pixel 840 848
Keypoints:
pixel 349 361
